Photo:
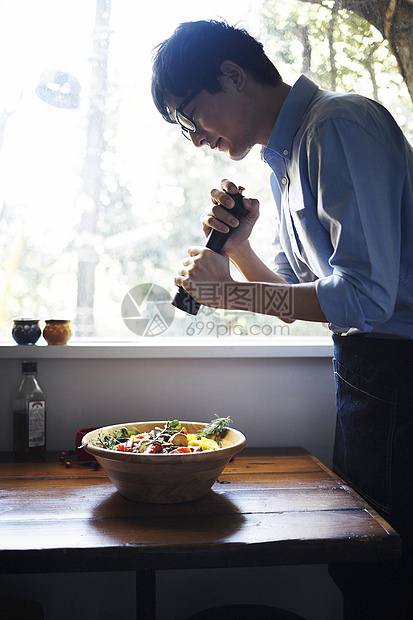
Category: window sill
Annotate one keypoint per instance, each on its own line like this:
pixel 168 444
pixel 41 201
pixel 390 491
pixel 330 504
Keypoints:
pixel 174 348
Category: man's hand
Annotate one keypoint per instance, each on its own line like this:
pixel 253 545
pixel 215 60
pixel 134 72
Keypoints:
pixel 219 219
pixel 203 274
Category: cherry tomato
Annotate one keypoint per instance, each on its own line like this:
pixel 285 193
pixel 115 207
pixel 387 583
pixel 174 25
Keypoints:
pixel 181 450
pixel 153 448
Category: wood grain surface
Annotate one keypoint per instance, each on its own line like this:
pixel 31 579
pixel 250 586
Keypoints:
pixel 269 507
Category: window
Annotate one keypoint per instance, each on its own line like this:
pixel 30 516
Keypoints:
pixel 99 196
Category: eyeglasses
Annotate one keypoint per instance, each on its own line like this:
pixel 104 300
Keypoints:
pixel 186 123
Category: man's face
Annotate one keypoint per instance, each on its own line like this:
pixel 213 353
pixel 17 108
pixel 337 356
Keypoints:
pixel 222 121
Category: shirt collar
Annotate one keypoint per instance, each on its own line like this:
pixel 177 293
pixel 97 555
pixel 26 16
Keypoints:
pixel 289 117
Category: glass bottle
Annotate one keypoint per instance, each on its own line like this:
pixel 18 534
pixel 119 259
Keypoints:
pixel 29 416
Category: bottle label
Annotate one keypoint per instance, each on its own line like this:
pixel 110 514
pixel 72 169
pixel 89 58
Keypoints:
pixel 37 426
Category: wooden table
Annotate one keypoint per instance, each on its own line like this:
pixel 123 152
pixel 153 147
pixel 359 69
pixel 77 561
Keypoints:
pixel 269 507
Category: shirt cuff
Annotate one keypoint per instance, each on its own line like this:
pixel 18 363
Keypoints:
pixel 341 306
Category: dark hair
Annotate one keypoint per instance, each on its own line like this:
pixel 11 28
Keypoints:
pixel 193 55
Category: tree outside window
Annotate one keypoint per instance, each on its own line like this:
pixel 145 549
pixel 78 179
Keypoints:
pixel 98 195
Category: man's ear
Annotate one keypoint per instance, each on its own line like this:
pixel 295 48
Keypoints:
pixel 231 71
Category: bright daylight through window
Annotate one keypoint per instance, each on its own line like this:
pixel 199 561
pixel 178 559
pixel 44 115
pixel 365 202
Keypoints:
pixel 99 197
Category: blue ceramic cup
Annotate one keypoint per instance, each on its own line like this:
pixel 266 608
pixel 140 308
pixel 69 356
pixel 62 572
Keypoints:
pixel 26 331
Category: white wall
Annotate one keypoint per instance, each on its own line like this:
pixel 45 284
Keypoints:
pixel 273 400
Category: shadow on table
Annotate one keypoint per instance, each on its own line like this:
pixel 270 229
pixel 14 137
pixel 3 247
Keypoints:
pixel 212 518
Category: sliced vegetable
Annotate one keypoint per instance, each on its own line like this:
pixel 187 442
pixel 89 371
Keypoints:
pixel 179 439
pixel 153 448
pixel 172 438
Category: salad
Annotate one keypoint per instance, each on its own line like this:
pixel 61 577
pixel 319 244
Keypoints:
pixel 173 438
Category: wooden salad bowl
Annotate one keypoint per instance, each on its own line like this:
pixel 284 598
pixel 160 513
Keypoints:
pixel 164 478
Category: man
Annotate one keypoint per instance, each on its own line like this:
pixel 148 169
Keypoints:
pixel 342 176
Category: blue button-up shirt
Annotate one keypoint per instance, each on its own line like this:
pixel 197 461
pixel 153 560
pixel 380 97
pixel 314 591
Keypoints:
pixel 343 184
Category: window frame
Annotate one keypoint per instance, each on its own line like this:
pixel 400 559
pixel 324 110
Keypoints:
pixel 277 347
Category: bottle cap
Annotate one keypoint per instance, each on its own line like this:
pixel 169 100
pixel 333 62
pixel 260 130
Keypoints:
pixel 29 367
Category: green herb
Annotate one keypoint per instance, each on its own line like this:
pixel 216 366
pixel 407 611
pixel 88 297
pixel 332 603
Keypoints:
pixel 215 429
pixel 163 434
pixel 110 441
pixel 174 426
